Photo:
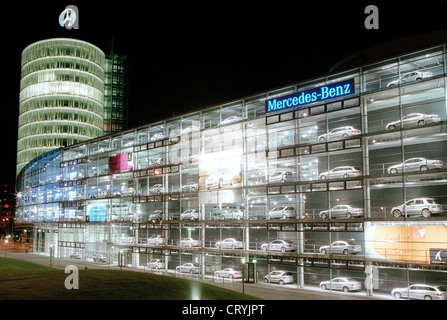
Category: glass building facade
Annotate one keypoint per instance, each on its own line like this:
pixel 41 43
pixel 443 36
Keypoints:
pixel 69 92
pixel 334 183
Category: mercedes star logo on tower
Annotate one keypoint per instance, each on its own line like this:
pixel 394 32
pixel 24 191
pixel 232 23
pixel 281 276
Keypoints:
pixel 69 18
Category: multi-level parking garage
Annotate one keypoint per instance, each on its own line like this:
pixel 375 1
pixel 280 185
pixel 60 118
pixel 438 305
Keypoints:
pixel 339 176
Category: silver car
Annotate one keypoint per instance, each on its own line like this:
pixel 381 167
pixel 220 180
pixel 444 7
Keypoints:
pixel 188 268
pixel 279 245
pixel 188 242
pixel 416 164
pixel 341 283
pixel 156 215
pixel 339 133
pixel 341 247
pixel 342 211
pixel 409 77
pixel 219 178
pixel 280 177
pixel 413 119
pixel 418 206
pixel 189 187
pixel 156 240
pixel 190 214
pixel 231 214
pixel 156 264
pixel 282 213
pixel 341 172
pixel 421 292
pixel 228 273
pixel 156 189
pixel 279 276
pixel 232 119
pixel 230 243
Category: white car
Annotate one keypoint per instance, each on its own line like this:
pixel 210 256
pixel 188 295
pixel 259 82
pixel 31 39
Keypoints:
pixel 342 211
pixel 188 242
pixel 188 268
pixel 416 164
pixel 279 276
pixel 279 245
pixel 341 247
pixel 280 177
pixel 339 133
pixel 409 77
pixel 156 240
pixel 418 206
pixel 341 172
pixel 189 130
pixel 232 119
pixel 228 273
pixel 342 283
pixel 413 119
pixel 282 212
pixel 230 243
pixel 156 264
pixel 219 178
pixel 190 214
pixel 156 215
pixel 100 258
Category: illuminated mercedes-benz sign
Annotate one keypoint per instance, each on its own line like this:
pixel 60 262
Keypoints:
pixel 69 18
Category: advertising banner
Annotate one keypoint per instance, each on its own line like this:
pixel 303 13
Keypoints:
pixel 121 162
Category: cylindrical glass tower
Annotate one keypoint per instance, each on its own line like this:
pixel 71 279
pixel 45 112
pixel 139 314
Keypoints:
pixel 61 96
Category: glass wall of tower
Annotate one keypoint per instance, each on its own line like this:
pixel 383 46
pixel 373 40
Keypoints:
pixel 349 187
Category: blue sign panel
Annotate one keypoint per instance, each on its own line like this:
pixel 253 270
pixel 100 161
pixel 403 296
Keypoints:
pixel 330 91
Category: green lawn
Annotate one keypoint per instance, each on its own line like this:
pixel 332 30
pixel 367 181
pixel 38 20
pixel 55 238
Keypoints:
pixel 22 280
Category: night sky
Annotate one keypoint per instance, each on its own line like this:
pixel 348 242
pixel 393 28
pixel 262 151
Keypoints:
pixel 187 55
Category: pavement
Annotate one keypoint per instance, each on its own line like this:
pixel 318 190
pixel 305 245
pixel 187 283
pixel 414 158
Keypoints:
pixel 260 290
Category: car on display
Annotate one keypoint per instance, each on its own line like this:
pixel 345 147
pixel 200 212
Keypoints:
pixel 341 172
pixel 280 177
pixel 341 283
pixel 156 240
pixel 156 215
pixel 410 77
pixel 339 133
pixel 190 187
pixel 219 178
pixel 282 212
pixel 188 268
pixel 189 130
pixel 190 158
pixel 231 214
pixel 228 273
pixel 341 211
pixel 229 243
pixel 190 214
pixel 156 264
pixel 188 242
pixel 156 189
pixel 421 292
pixel 232 119
pixel 279 245
pixel 76 255
pixel 418 206
pixel 155 162
pixel 157 136
pixel 100 258
pixel 413 119
pixel 341 247
pixel 416 164
pixel 279 276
